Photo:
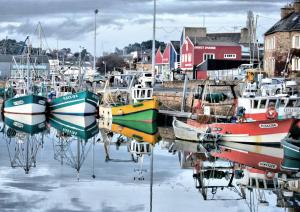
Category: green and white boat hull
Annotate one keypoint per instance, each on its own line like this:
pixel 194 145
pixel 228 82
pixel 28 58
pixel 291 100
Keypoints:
pixel 291 149
pixel 26 123
pixel 83 127
pixel 81 103
pixel 29 104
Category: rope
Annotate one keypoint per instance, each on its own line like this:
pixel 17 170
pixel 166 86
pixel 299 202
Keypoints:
pixel 168 107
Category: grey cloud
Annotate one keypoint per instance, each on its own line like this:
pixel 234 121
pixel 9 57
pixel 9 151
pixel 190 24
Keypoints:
pixel 70 19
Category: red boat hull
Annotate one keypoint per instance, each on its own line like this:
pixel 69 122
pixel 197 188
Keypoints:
pixel 250 159
pixel 268 131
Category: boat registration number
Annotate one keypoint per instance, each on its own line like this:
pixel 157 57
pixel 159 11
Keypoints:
pixel 291 110
pixel 42 102
pixel 19 102
pixel 268 126
pixel 267 165
pixel 70 97
pixel 18 124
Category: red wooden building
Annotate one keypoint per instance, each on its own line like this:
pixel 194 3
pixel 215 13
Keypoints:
pixel 197 50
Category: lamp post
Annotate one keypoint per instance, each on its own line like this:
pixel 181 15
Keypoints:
pixel 142 57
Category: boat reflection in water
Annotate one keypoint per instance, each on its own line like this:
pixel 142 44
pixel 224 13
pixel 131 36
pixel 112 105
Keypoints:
pixel 251 172
pixel 262 172
pixel 24 136
pixel 69 130
pixel 140 139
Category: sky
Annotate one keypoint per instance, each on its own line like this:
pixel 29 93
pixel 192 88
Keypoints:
pixel 70 23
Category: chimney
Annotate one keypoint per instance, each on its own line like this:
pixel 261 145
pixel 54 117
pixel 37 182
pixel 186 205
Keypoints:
pixel 297 6
pixel 244 35
pixel 287 10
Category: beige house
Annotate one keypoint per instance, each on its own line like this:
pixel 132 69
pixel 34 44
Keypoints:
pixel 282 43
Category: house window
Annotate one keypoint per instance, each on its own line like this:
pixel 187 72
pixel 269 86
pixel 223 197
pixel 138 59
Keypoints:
pixel 190 57
pixel 296 42
pixel 208 56
pixel 273 64
pixel 186 45
pixel 186 58
pixel 230 56
pixel 296 64
pixel 183 57
pixel 270 43
pixel 270 64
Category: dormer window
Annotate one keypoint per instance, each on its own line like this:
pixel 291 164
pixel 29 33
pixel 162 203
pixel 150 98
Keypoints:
pixel 296 42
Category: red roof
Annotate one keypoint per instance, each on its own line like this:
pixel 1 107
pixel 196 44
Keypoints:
pixel 158 57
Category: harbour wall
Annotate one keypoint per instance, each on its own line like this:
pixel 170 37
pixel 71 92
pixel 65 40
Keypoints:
pixel 171 100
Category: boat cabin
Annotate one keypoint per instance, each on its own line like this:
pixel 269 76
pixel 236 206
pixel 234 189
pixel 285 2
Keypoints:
pixel 257 108
pixel 254 178
pixel 140 148
pixel 140 93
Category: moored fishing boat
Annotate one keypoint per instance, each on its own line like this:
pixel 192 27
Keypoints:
pixel 291 150
pixel 80 103
pixel 138 103
pixel 268 131
pixel 25 100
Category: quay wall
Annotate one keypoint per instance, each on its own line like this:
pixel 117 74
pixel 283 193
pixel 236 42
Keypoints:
pixel 167 133
pixel 179 84
pixel 171 100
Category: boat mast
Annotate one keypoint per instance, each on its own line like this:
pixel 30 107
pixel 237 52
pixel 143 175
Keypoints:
pixel 40 38
pixel 151 177
pixel 153 43
pixel 27 71
pixel 95 39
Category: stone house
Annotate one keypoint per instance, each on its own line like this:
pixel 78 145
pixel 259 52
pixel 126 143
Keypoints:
pixel 282 43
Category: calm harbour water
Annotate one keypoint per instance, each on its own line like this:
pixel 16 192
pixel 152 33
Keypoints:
pixel 54 171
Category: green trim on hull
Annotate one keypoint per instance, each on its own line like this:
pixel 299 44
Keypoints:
pixel 73 99
pixel 142 116
pixel 30 129
pixel 148 128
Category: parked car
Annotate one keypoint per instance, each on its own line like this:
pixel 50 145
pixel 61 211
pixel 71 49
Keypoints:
pixel 159 78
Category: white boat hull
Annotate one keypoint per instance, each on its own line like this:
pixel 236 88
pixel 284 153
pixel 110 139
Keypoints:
pixel 245 138
pixel 30 108
pixel 80 108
